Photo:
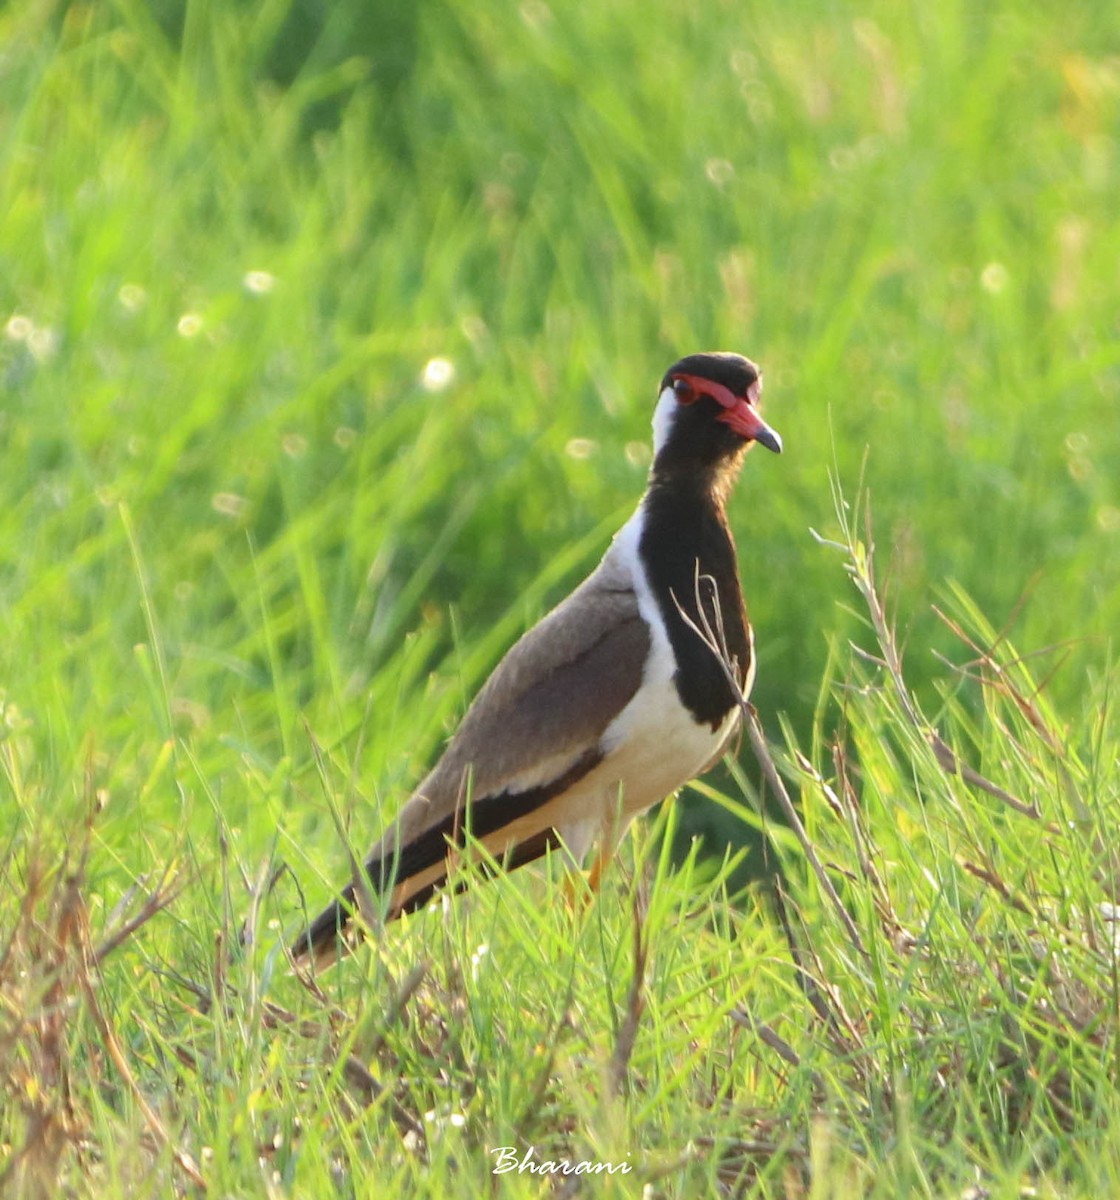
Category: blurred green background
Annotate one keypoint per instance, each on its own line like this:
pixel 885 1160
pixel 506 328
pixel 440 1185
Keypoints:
pixel 331 332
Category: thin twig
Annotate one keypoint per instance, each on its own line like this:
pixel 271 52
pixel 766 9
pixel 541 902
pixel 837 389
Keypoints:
pixel 410 985
pixel 535 1103
pixel 806 980
pixel 765 1034
pixel 113 1048
pixel 762 754
pixel 354 1071
pixel 166 892
pixel 635 999
pixel 821 996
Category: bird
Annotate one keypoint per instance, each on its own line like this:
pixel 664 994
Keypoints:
pixel 613 700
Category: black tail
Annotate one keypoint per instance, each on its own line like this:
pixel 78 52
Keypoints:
pixel 327 931
pixel 330 935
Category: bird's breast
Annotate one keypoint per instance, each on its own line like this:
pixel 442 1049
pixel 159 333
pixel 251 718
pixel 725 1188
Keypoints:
pixel 656 744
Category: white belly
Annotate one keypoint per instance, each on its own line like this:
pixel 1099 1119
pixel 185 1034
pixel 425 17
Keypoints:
pixel 658 748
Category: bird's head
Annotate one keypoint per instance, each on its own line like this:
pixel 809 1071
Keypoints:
pixel 707 411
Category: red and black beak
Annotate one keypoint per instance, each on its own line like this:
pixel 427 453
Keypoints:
pixel 743 418
pixel 740 413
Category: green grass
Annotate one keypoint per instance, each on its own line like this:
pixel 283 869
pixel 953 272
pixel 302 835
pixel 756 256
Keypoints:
pixel 235 526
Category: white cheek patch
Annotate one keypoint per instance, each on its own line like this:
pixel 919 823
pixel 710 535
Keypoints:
pixel 663 417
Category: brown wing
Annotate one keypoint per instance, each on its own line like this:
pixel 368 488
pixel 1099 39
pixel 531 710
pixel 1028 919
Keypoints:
pixel 543 711
pixel 533 730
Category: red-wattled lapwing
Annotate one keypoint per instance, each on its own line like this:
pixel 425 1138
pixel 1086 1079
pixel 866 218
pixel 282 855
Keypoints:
pixel 612 701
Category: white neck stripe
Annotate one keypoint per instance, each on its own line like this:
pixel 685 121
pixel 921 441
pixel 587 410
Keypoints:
pixel 663 416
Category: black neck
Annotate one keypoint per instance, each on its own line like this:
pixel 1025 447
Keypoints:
pixel 685 543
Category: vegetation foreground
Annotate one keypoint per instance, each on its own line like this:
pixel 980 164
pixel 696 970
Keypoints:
pixel 316 324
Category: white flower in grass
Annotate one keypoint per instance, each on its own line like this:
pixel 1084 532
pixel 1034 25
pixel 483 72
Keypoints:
pixel 42 342
pixel 19 328
pixel 189 325
pixel 580 448
pixel 438 374
pixel 228 504
pixel 637 454
pixel 132 297
pixel 260 283
pixel 13 718
pixel 1108 518
pixel 1110 913
pixel 444 1119
pixel 994 278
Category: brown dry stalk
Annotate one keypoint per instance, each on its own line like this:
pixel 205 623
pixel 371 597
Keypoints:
pixel 635 1000
pixel 36 1017
pixel 85 974
pixel 51 965
pixel 766 1034
pixel 165 892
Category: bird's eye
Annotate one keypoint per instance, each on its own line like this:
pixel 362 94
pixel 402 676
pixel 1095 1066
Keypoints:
pixel 683 390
